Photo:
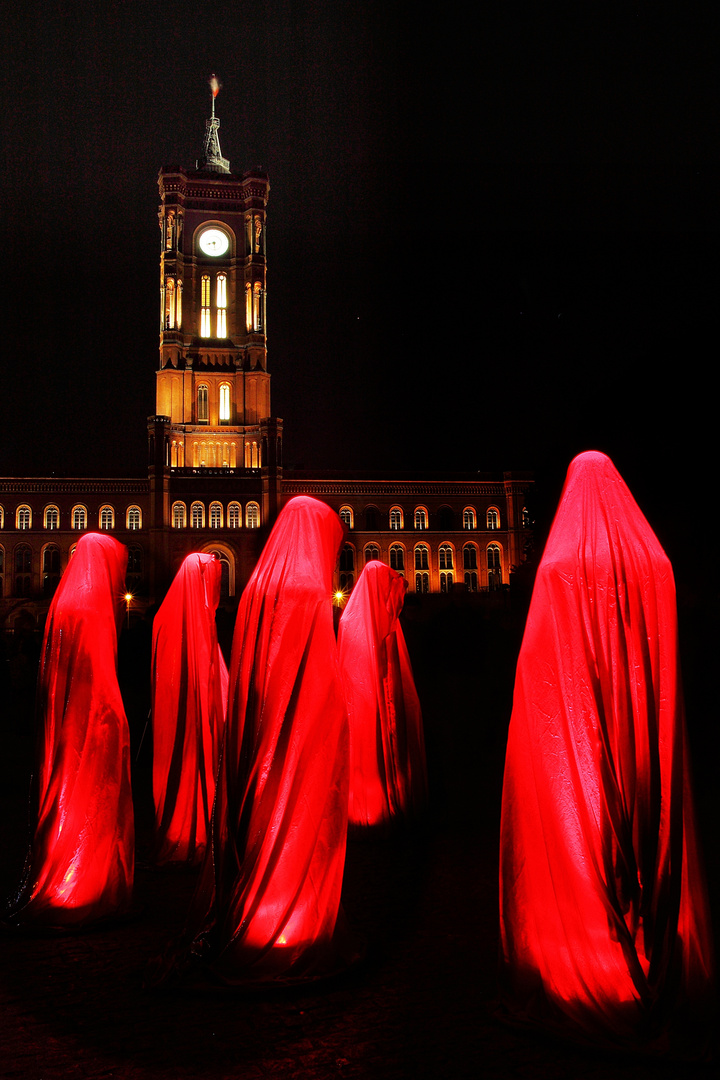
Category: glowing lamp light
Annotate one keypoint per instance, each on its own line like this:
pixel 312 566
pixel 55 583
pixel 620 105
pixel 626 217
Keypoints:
pixel 339 598
pixel 128 598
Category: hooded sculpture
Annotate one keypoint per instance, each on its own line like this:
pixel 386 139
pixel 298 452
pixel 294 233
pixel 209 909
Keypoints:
pixel 387 750
pixel 80 866
pixel 269 896
pixel 603 909
pixel 189 693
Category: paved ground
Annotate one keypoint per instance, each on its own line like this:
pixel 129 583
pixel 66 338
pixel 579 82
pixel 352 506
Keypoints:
pixel 421 1004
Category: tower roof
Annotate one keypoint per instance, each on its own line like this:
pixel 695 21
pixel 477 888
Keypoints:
pixel 214 161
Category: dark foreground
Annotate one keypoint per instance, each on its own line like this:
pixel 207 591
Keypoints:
pixel 422 1002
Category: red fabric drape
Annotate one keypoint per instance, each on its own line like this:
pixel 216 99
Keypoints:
pixel 387 749
pixel 81 863
pixel 603 910
pixel 271 891
pixel 189 694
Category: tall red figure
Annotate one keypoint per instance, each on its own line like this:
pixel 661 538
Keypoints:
pixel 80 867
pixel 189 694
pixel 387 750
pixel 270 889
pixel 603 908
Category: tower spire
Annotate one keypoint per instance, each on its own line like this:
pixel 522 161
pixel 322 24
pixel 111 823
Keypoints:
pixel 214 161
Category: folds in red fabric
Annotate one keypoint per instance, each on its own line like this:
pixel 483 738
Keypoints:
pixel 270 887
pixel 387 750
pixel 603 909
pixel 189 693
pixel 80 867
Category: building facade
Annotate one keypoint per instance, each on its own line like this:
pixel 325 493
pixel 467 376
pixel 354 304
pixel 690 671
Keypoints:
pixel 215 476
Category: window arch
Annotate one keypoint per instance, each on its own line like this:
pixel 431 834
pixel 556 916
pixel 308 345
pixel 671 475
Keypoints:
pixel 445 556
pixel 494 563
pixel 23 570
pixel 215 515
pixel 397 558
pixel 197 515
pixel 133 518
pixel 221 300
pixel 51 517
pixel 422 557
pixel 258 307
pixel 179 515
pixel 202 404
pixel 178 304
pixel 421 517
pixel 205 329
pixel 469 518
pixel 107 517
pixel 470 561
pixel 493 518
pixel 169 303
pixel 248 307
pixel 227 568
pixel 234 515
pixel 346 516
pixel 252 516
pixel 78 517
pixel 372 551
pixel 224 406
pixel 50 568
pixel 23 517
pixel 396 517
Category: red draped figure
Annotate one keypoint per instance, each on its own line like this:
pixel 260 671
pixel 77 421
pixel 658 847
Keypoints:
pixel 603 908
pixel 270 889
pixel 387 750
pixel 189 693
pixel 80 867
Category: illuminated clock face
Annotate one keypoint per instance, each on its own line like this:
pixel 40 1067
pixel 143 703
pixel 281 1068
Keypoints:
pixel 213 242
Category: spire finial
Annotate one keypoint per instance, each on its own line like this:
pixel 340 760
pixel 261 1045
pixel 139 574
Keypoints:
pixel 214 161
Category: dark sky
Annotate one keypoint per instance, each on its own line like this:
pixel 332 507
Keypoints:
pixel 492 230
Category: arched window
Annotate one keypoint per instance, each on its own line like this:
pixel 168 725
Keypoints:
pixel 493 518
pixel 169 303
pixel 471 581
pixel 135 564
pixel 422 557
pixel 494 562
pixel 197 515
pixel 346 516
pixel 224 410
pixel 372 551
pixel 422 583
pixel 396 517
pixel 2 518
pixel 397 558
pixel 205 330
pixel 248 307
pixel 257 307
pixel 178 515
pixel 221 294
pixel 227 572
pixel 23 570
pixel 202 404
pixel 469 557
pixel 52 517
pixel 178 305
pixel 50 568
pixel 234 515
pixel 252 516
pixel 169 230
pixel 107 517
pixel 445 555
pixel 133 518
pixel 421 517
pixel 446 583
pixel 469 519
pixel 79 517
pixel 215 515
pixel 23 517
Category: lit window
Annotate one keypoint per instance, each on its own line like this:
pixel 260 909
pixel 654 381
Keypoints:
pixel 346 516
pixel 493 518
pixel 221 323
pixel 79 517
pixel 420 517
pixel 397 558
pixel 396 518
pixel 234 515
pixel 202 405
pixel 205 306
pixel 52 517
pixel 248 307
pixel 469 519
pixel 2 518
pixel 169 303
pixel 169 230
pixel 23 517
pixel 446 557
pixel 422 583
pixel 221 290
pixel 422 557
pixel 224 414
pixel 178 515
pixel 252 516
pixel 469 557
pixel 257 307
pixel 215 516
pixel 133 518
pixel 372 551
pixel 197 516
pixel 107 517
pixel 178 305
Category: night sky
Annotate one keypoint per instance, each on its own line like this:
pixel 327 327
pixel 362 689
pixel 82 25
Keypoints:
pixel 491 237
